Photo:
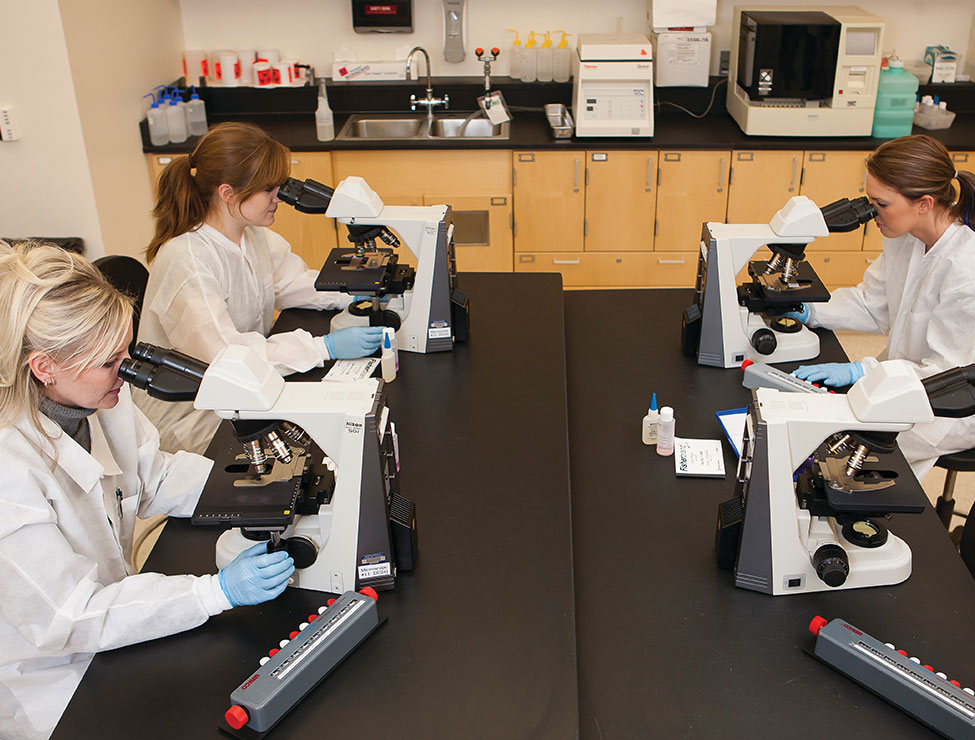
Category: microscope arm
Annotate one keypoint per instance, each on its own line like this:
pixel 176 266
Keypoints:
pixel 952 393
pixel 306 196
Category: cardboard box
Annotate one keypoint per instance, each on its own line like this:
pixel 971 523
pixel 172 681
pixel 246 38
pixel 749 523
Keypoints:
pixel 944 63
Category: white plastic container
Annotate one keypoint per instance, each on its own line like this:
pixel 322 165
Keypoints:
pixel 176 121
pixel 529 60
pixel 324 122
pixel 388 361
pixel 515 55
pixel 196 115
pixel 563 60
pixel 666 432
pixel 651 423
pixel 158 127
pixel 545 60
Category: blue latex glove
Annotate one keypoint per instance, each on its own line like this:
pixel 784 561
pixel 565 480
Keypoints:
pixel 256 575
pixel 831 373
pixel 801 316
pixel 355 341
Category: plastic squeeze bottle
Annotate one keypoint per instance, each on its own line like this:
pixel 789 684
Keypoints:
pixel 651 422
pixel 156 118
pixel 515 56
pixel 563 60
pixel 529 59
pixel 545 65
pixel 388 360
pixel 196 114
pixel 665 432
pixel 324 122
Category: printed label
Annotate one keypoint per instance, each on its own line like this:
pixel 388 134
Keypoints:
pixel 435 333
pixel 373 571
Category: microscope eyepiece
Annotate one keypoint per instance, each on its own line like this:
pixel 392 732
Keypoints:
pixel 847 215
pixel 307 196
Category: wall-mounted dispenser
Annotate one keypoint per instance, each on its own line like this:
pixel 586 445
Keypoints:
pixel 454 30
pixel 394 16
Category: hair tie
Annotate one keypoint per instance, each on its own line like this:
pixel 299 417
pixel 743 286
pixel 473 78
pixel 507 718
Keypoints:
pixel 192 164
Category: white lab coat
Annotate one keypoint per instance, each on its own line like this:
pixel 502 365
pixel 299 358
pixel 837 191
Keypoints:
pixel 205 292
pixel 68 587
pixel 926 302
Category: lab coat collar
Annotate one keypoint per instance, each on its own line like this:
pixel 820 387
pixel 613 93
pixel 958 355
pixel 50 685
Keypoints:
pixel 72 458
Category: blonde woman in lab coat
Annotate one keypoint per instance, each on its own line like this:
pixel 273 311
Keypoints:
pixel 920 291
pixel 218 273
pixel 80 462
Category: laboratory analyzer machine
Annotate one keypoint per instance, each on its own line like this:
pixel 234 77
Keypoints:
pixel 613 92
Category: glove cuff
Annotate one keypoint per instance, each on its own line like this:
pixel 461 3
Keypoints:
pixel 329 346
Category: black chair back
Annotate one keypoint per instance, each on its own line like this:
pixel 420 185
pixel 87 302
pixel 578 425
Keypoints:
pixel 129 276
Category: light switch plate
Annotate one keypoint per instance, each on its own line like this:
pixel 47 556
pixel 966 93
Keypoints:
pixel 8 131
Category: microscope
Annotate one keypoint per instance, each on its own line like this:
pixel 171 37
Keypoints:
pixel 816 479
pixel 425 306
pixel 728 324
pixel 318 473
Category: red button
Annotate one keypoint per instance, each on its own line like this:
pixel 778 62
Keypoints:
pixel 370 592
pixel 746 363
pixel 903 652
pixel 330 602
pixel 236 717
pixel 955 683
pixel 817 624
pixel 293 635
pixel 312 617
pixel 273 652
pixel 929 668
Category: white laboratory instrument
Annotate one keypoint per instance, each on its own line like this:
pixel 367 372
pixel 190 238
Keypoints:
pixel 815 484
pixel 804 71
pixel 728 323
pixel 425 306
pixel 613 91
pixel 318 475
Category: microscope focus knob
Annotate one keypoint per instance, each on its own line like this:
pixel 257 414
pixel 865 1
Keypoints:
pixel 302 550
pixel 764 341
pixel 832 565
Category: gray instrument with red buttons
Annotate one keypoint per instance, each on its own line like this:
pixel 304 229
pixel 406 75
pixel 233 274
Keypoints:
pixel 929 696
pixel 290 671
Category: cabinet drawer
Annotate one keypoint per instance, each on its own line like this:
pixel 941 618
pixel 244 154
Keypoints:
pixel 840 269
pixel 613 269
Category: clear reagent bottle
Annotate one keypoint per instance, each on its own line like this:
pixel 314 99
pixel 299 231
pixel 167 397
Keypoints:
pixel 665 432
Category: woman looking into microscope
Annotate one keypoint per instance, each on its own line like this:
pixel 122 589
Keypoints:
pixel 218 273
pixel 920 291
pixel 80 463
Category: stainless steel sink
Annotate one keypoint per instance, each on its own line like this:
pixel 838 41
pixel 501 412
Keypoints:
pixel 406 127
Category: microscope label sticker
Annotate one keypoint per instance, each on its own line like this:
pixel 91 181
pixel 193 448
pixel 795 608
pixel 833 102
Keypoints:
pixel 372 571
pixel 439 330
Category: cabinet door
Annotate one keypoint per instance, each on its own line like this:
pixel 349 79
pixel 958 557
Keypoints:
pixel 457 172
pixel 549 201
pixel 311 236
pixel 829 176
pixel 761 183
pixel 692 187
pixel 482 231
pixel 842 268
pixel 157 163
pixel 621 197
pixel 964 160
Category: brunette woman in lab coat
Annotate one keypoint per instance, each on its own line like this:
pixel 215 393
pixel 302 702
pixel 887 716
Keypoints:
pixel 920 291
pixel 80 463
pixel 218 274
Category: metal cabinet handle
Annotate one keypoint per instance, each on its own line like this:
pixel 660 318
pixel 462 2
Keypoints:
pixel 575 179
pixel 870 261
pixel 721 176
pixel 295 161
pixel 863 185
pixel 670 262
pixel 649 175
pixel 565 262
pixel 795 171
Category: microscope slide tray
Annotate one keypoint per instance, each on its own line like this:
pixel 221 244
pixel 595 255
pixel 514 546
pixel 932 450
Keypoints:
pixel 905 497
pixel 814 292
pixel 336 275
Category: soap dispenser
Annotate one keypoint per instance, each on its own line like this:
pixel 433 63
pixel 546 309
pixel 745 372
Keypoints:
pixel 563 60
pixel 545 64
pixel 515 56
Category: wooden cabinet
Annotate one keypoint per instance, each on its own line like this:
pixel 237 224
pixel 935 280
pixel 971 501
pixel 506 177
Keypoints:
pixel 621 199
pixel 613 269
pixel 310 236
pixel 760 183
pixel 549 196
pixel 828 176
pixel 476 184
pixel 692 187
pixel 840 269
pixel 964 160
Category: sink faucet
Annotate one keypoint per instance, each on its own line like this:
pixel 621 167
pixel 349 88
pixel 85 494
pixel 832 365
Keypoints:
pixel 429 101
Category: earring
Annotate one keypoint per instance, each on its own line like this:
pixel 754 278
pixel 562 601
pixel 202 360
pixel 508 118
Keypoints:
pixel 48 381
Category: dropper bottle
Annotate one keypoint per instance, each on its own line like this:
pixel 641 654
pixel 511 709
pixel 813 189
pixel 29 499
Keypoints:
pixel 515 56
pixel 651 422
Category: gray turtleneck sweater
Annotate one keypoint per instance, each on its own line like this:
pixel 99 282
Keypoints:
pixel 72 421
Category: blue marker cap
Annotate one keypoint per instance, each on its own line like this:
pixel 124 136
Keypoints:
pixel 653 402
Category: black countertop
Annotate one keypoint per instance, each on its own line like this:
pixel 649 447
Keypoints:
pixel 673 129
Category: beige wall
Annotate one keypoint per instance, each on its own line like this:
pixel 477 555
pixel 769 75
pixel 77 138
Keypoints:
pixel 313 30
pixel 118 49
pixel 45 186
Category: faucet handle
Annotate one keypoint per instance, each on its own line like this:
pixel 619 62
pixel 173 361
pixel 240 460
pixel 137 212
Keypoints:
pixel 413 102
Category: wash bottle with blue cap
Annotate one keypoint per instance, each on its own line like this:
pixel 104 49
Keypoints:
pixel 156 118
pixel 196 114
pixel 650 423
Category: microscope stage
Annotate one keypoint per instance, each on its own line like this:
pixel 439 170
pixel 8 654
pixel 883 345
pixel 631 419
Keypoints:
pixel 811 289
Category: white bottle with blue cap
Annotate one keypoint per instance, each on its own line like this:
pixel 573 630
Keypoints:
pixel 196 114
pixel 156 118
pixel 176 120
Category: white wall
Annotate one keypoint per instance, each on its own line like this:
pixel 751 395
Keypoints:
pixel 45 186
pixel 117 51
pixel 312 30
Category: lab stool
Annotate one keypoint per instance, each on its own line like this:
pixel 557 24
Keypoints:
pixel 952 463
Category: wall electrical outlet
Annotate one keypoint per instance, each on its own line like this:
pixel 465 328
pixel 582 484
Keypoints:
pixel 8 131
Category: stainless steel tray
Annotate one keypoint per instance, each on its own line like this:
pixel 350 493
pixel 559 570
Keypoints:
pixel 560 120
